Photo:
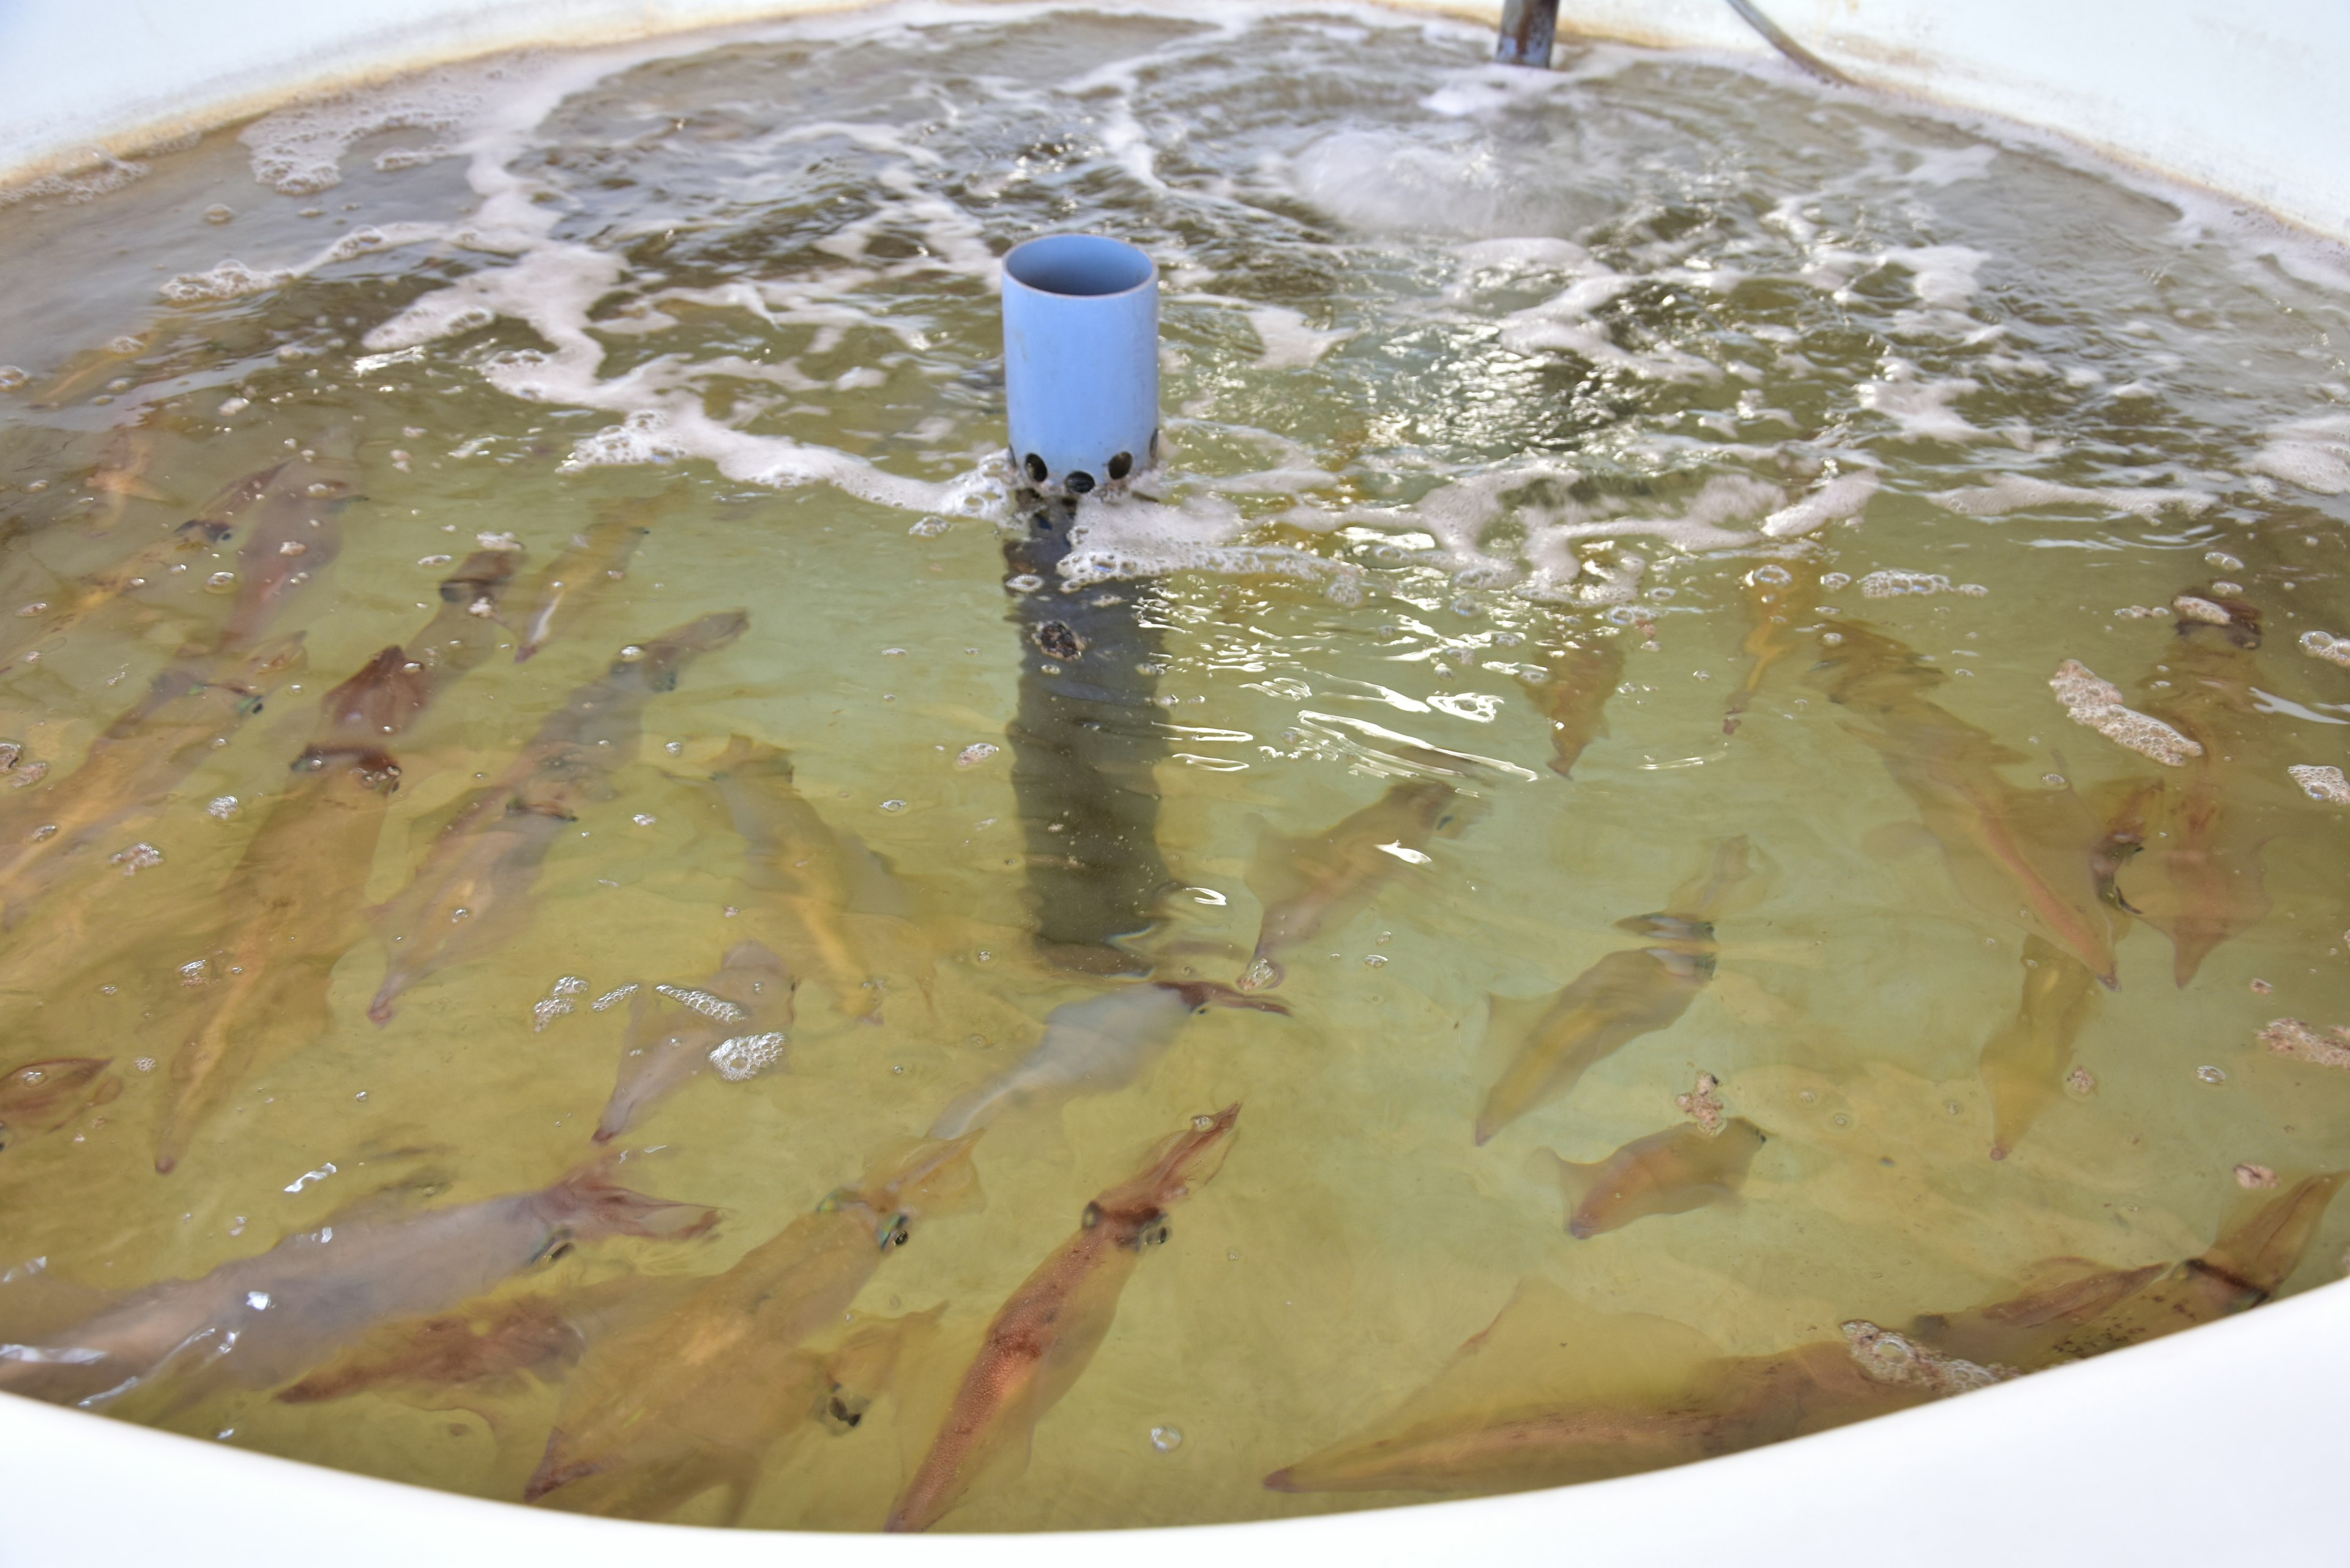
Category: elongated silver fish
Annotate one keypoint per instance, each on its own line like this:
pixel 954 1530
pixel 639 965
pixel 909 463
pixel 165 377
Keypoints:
pixel 259 1321
pixel 1094 1047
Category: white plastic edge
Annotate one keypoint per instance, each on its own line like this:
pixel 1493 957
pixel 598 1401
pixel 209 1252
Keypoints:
pixel 2245 100
pixel 2215 1446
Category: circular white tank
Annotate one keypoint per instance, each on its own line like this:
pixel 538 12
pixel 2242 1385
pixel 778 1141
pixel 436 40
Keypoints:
pixel 2221 1445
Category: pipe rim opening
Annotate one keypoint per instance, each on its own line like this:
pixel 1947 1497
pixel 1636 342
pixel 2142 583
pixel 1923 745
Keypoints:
pixel 1080 266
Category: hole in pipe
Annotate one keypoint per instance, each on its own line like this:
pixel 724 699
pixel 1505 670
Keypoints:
pixel 1035 467
pixel 1079 267
pixel 1080 482
pixel 1121 465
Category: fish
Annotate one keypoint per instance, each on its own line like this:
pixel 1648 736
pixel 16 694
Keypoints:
pixel 68 607
pixel 44 1096
pixel 597 556
pixel 210 528
pixel 784 1397
pixel 260 1320
pixel 1093 1047
pixel 289 910
pixel 810 877
pixel 2199 878
pixel 296 535
pixel 1774 593
pixel 2022 856
pixel 191 705
pixel 2073 1308
pixel 1320 882
pixel 637 1403
pixel 2237 1272
pixel 1668 1172
pixel 1043 1338
pixel 1553 1392
pixel 1582 676
pixel 498 1342
pixel 1626 994
pixel 736 1020
pixel 472 894
pixel 2022 1066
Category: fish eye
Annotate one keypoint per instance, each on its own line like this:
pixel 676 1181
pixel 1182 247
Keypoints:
pixel 1092 1216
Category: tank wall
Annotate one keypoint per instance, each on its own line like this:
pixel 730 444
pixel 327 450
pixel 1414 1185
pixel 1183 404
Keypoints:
pixel 2242 99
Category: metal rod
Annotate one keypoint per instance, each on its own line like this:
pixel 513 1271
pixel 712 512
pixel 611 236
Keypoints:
pixel 1786 45
pixel 1528 28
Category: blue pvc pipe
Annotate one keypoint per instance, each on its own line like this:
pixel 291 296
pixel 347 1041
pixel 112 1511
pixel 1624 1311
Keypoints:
pixel 1080 361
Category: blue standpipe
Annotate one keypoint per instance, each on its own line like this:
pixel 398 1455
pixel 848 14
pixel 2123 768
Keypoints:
pixel 1080 362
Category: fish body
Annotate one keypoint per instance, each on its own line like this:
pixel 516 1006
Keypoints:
pixel 259 1321
pixel 71 607
pixel 296 536
pixel 807 874
pixel 290 910
pixel 2198 878
pixel 734 1021
pixel 1624 995
pixel 2022 1066
pixel 42 1096
pixel 1668 1172
pixel 1574 698
pixel 2238 1272
pixel 473 893
pixel 1729 1405
pixel 1042 1339
pixel 1319 883
pixel 2026 858
pixel 132 764
pixel 1774 594
pixel 2074 1308
pixel 1093 1047
pixel 498 1341
pixel 725 1359
pixel 1553 1392
pixel 600 556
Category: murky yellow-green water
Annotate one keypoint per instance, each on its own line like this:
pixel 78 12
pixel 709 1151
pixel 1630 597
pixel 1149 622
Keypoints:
pixel 1474 378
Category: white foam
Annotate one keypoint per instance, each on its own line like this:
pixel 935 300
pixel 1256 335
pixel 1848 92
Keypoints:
pixel 2097 705
pixel 2322 784
pixel 1921 408
pixel 2021 493
pixel 100 173
pixel 1130 536
pixel 1286 342
pixel 2313 454
pixel 2327 646
pixel 299 149
pixel 1841 497
pixel 1895 583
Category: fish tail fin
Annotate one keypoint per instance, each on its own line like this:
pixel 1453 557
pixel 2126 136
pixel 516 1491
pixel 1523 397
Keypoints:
pixel 594 1205
pixel 1726 886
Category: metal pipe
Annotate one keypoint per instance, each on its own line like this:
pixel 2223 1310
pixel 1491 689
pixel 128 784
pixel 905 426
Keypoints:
pixel 1786 45
pixel 1528 29
pixel 1080 362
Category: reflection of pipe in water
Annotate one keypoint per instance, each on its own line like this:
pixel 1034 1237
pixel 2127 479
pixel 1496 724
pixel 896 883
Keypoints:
pixel 1084 745
pixel 1081 388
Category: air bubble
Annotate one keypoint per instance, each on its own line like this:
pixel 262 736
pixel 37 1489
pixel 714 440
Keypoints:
pixel 2211 1074
pixel 893 805
pixel 1166 1440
